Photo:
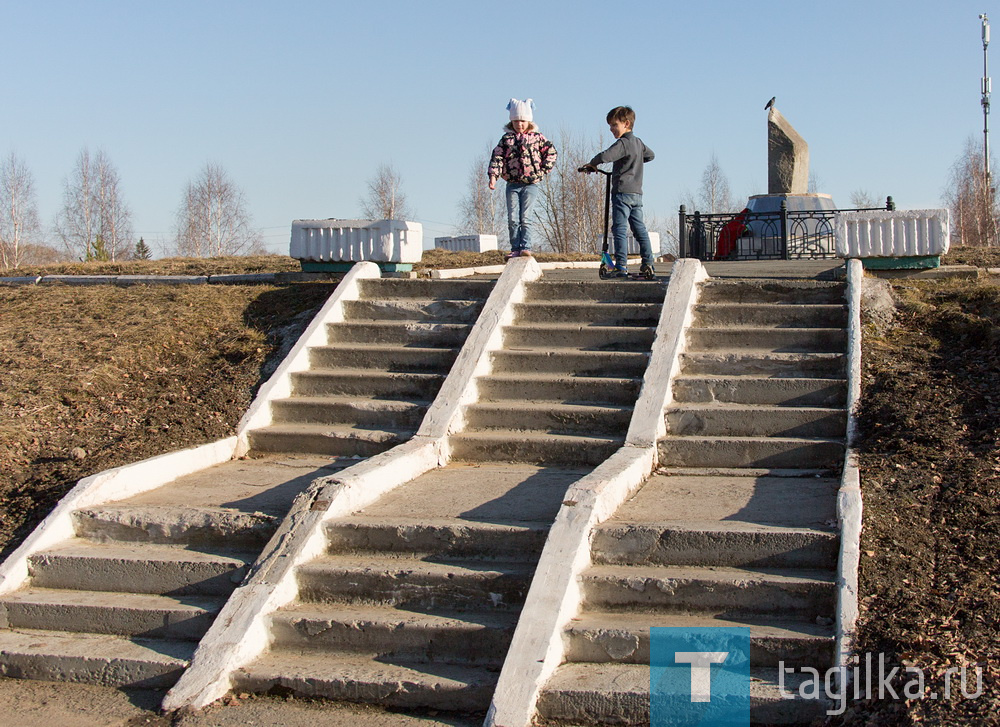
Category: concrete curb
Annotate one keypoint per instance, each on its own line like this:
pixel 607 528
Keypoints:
pixel 104 487
pixel 554 597
pixel 495 269
pixel 279 386
pixel 127 280
pixel 849 501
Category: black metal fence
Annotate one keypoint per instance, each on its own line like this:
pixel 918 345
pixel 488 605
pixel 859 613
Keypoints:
pixel 781 235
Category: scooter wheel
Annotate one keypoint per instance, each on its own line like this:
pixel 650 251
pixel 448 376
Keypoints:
pixel 603 272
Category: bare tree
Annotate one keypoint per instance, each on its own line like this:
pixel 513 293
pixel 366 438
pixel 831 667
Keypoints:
pixel 19 225
pixel 714 195
pixel 385 200
pixel 863 199
pixel 482 209
pixel 973 203
pixel 213 219
pixel 95 223
pixel 571 204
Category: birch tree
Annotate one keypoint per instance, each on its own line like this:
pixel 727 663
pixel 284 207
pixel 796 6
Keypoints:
pixel 19 225
pixel 95 223
pixel 213 219
pixel 973 203
pixel 571 205
pixel 714 195
pixel 482 210
pixel 385 199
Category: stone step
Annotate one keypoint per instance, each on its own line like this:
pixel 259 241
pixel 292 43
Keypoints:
pixel 618 694
pixel 729 592
pixel 628 364
pixel 138 568
pixel 399 333
pixel 327 439
pixel 360 382
pixel 175 525
pixel 448 536
pixel 768 315
pixel 787 340
pixel 774 452
pixel 395 634
pixel 761 390
pixel 706 543
pixel 454 289
pixel 104 612
pixel 722 419
pixel 801 292
pixel 380 413
pixel 609 291
pixel 373 357
pixel 355 678
pixel 399 580
pixel 608 636
pixel 105 660
pixel 764 363
pixel 413 309
pixel 550 336
pixel 501 445
pixel 598 390
pixel 593 313
pixel 549 415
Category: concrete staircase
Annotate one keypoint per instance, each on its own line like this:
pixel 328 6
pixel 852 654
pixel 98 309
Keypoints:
pixel 563 387
pixel 368 389
pixel 125 602
pixel 739 527
pixel 415 603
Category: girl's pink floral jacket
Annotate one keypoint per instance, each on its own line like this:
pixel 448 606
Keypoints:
pixel 522 158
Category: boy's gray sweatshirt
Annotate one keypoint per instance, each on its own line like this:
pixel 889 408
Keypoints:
pixel 628 154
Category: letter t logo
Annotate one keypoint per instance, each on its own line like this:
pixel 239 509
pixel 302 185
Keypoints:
pixel 701 671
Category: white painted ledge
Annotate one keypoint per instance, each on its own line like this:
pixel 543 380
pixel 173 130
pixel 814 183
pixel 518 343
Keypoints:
pixel 895 233
pixel 394 241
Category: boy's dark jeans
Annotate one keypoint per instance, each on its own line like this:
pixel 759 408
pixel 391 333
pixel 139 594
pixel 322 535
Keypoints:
pixel 626 212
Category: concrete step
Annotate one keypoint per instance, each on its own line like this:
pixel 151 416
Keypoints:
pixel 138 568
pixel 764 363
pixel 372 357
pixel 787 340
pixel 768 315
pixel 610 636
pixel 101 659
pixel 777 452
pixel 722 419
pixel 395 634
pixel 411 582
pixel 399 333
pixel 413 309
pixel 548 415
pixel 360 382
pixel 175 525
pixel 355 678
pixel 332 440
pixel 380 413
pixel 587 312
pixel 567 389
pixel 618 694
pixel 628 364
pixel 550 336
pixel 729 592
pixel 104 612
pixel 801 292
pixel 454 289
pixel 610 291
pixel 446 536
pixel 501 445
pixel 761 390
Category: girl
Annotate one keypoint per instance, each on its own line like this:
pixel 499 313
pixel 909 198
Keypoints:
pixel 522 158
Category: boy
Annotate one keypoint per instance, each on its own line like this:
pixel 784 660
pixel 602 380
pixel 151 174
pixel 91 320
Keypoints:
pixel 628 154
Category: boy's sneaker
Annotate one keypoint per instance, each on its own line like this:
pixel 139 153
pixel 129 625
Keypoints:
pixel 647 272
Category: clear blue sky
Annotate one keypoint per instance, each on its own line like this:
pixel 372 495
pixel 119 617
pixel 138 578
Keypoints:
pixel 300 101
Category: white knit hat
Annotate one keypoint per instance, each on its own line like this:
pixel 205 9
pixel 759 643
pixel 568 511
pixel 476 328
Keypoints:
pixel 520 110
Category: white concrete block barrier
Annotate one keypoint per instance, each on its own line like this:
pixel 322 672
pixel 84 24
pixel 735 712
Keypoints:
pixel 554 597
pixel 467 243
pixel 385 241
pixel 891 233
pixel 849 502
pixel 240 633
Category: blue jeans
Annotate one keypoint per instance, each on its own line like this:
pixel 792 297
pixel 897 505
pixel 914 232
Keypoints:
pixel 520 199
pixel 626 212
